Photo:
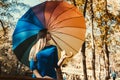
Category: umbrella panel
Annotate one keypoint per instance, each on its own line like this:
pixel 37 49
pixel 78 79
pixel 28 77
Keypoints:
pixel 67 42
pixel 24 48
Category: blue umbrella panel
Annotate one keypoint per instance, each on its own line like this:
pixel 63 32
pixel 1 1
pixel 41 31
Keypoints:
pixel 24 35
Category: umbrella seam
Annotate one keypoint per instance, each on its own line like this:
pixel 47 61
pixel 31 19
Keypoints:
pixel 43 22
pixel 60 14
pixel 68 27
pixel 52 14
pixel 67 34
pixel 31 22
pixel 65 43
pixel 56 43
pixel 25 30
pixel 64 20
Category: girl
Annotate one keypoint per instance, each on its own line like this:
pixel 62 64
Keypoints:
pixel 43 57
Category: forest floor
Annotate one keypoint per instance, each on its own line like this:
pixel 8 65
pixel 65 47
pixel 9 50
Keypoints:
pixel 116 79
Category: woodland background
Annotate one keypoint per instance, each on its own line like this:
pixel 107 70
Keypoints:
pixel 100 53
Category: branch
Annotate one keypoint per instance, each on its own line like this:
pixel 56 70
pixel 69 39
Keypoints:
pixel 74 2
pixel 3 27
pixel 85 8
pixel 106 10
pixel 83 47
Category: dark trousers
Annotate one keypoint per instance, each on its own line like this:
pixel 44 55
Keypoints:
pixel 114 78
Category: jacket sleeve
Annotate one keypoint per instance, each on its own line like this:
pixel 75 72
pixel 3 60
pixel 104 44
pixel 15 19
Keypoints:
pixel 33 65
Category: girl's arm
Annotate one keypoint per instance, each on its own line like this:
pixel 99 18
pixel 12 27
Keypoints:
pixel 32 59
pixel 48 77
pixel 36 73
pixel 33 67
pixel 63 57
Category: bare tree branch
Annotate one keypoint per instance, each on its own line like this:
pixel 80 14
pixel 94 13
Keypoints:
pixel 85 8
pixel 84 61
pixel 3 27
pixel 93 43
pixel 74 2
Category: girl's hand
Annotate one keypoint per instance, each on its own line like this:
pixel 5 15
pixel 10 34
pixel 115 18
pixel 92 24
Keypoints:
pixel 48 77
pixel 64 55
pixel 39 76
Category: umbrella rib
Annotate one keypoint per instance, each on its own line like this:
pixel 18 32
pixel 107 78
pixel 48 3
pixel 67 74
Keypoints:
pixel 63 21
pixel 65 43
pixel 67 27
pixel 59 15
pixel 52 13
pixel 66 34
pixel 56 43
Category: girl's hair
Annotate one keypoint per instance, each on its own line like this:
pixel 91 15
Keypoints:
pixel 42 34
pixel 40 42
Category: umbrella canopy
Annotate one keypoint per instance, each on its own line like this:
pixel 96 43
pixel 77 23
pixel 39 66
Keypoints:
pixel 64 22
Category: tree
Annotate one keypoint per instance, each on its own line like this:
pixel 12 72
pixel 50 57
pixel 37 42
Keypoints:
pixel 84 61
pixel 83 45
pixel 93 43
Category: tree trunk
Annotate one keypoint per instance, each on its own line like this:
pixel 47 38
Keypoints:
pixel 84 62
pixel 85 8
pixel 104 59
pixel 93 43
pixel 83 46
pixel 106 47
pixel 107 62
pixel 93 63
pixel 99 68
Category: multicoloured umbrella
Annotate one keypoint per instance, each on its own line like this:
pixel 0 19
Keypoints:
pixel 64 21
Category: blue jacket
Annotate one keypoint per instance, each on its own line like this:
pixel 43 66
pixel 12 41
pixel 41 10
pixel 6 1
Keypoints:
pixel 46 63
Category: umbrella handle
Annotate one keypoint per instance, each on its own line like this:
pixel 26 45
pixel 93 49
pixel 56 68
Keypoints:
pixel 64 55
pixel 69 56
